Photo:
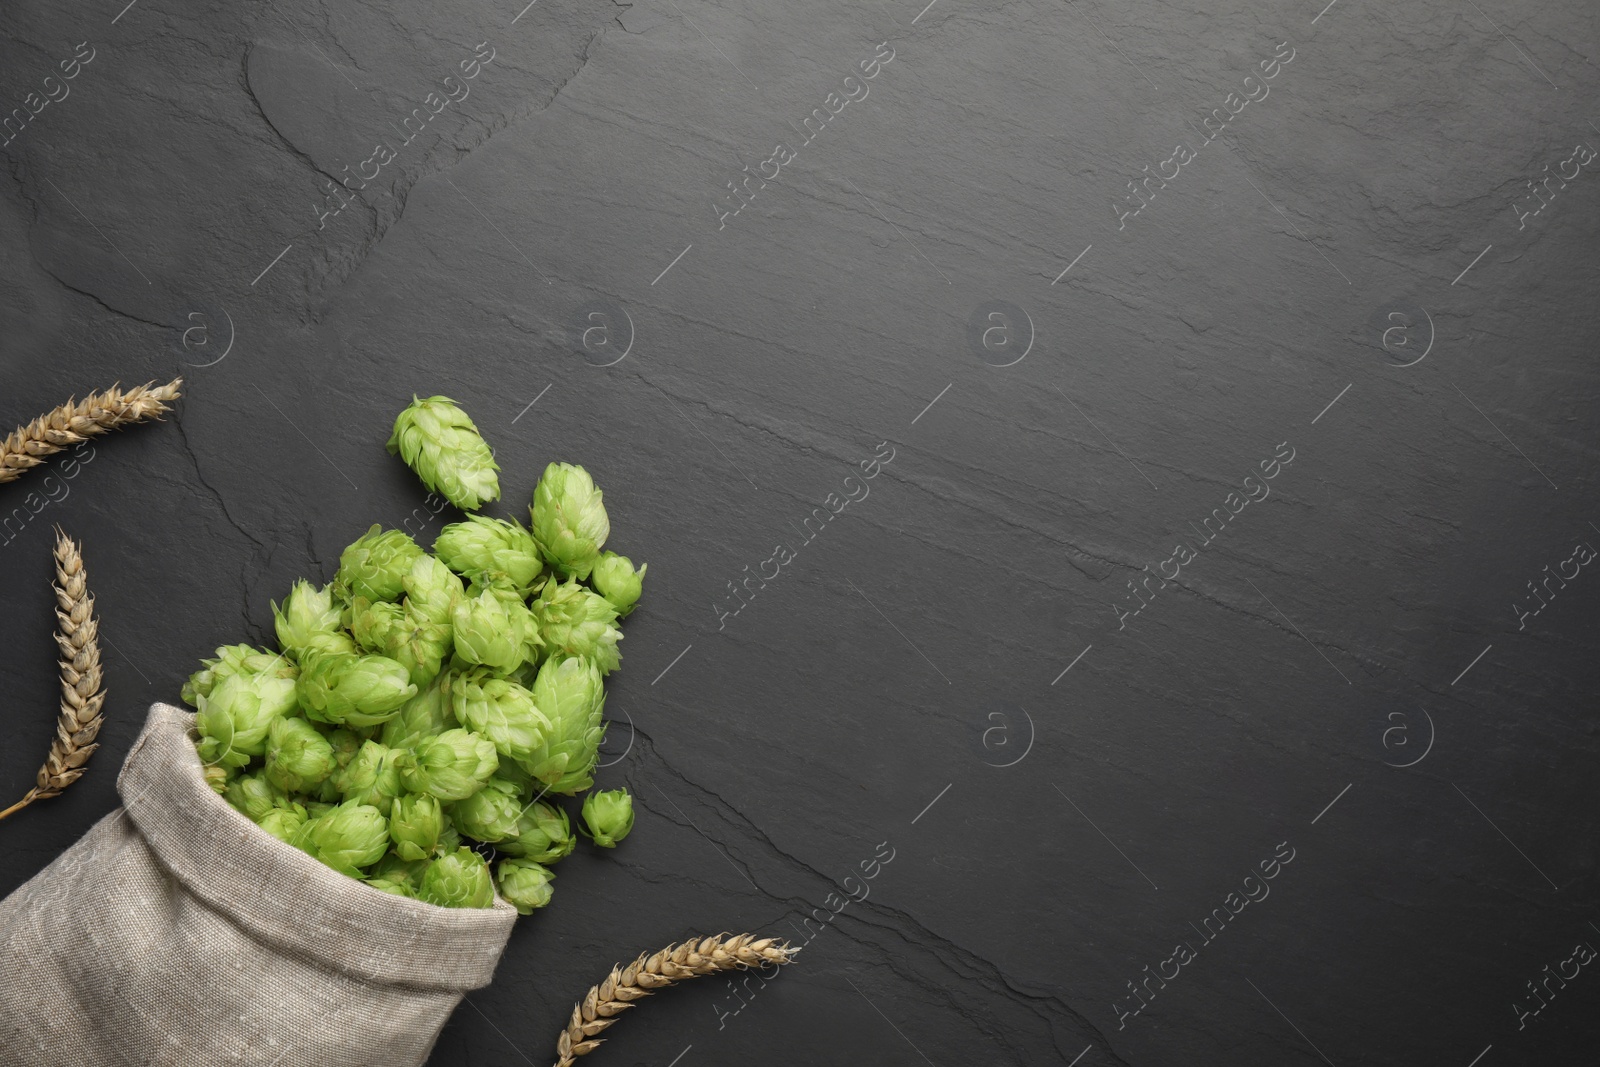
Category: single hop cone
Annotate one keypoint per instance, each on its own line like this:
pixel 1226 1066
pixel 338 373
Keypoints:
pixel 440 442
pixel 652 971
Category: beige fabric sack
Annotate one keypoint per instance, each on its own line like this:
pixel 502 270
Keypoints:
pixel 177 932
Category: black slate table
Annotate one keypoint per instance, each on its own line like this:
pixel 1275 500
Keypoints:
pixel 1116 479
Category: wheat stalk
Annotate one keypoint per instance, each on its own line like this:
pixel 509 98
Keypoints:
pixel 72 423
pixel 77 635
pixel 673 964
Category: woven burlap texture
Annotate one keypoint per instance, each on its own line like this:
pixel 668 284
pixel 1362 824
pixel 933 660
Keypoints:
pixel 176 933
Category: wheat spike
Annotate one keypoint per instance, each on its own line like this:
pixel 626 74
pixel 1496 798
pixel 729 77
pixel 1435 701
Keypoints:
pixel 77 636
pixel 73 423
pixel 652 971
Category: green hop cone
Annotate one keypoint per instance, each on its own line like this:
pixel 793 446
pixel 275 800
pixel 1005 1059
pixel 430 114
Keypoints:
pixel 253 796
pixel 568 519
pixel 354 691
pixel 458 879
pixel 371 777
pixel 384 885
pixel 574 621
pixel 347 838
pixel 370 622
pixel 528 671
pixel 217 777
pixel 299 758
pixel 415 822
pixel 403 872
pixel 500 710
pixel 423 716
pixel 452 766
pixel 345 745
pixel 309 620
pixel 438 440
pixel 570 694
pixel 493 628
pixel 512 772
pixel 616 580
pixel 449 837
pixel 393 632
pixel 375 566
pixel 234 719
pixel 421 650
pixel 283 823
pixel 544 835
pixel 230 660
pixel 432 590
pixel 227 661
pixel 490 814
pixel 608 816
pixel 525 884
pixel 489 552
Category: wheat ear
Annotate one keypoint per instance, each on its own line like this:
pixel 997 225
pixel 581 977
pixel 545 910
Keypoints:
pixel 73 423
pixel 692 959
pixel 77 635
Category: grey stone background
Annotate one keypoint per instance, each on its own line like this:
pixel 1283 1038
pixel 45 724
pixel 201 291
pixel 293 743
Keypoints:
pixel 1352 270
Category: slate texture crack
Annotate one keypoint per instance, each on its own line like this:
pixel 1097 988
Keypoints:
pixel 98 300
pixel 447 154
pixel 912 939
pixel 216 494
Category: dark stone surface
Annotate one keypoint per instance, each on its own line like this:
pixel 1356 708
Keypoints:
pixel 1322 639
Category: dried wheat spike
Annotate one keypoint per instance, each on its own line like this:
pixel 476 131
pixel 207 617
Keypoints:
pixel 73 423
pixel 77 636
pixel 624 985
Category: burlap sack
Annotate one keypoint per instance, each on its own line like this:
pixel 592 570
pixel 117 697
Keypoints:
pixel 176 932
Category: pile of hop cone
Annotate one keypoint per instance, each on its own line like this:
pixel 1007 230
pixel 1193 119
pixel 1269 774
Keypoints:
pixel 423 704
